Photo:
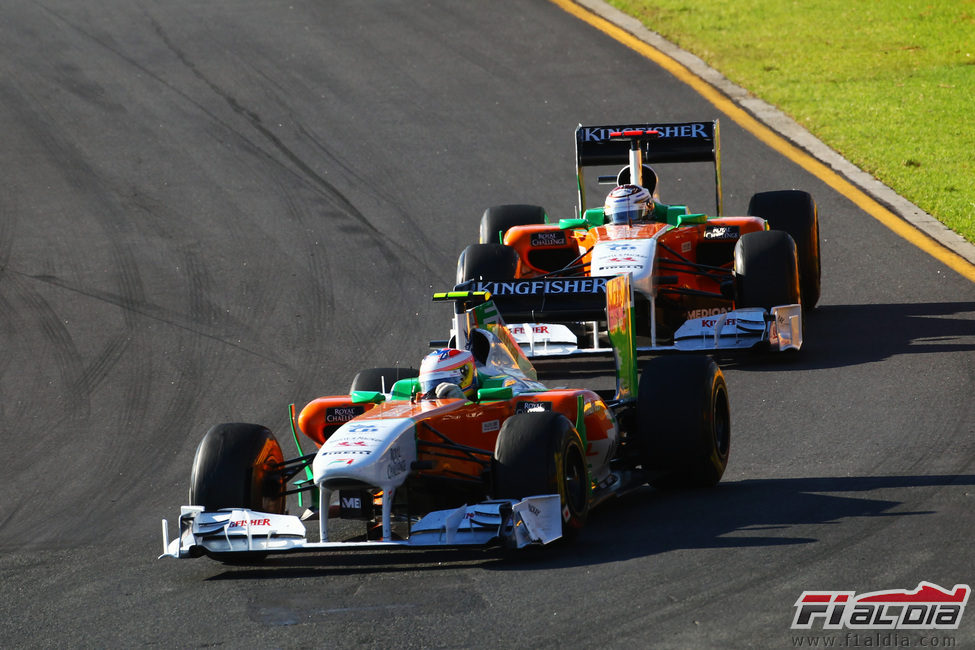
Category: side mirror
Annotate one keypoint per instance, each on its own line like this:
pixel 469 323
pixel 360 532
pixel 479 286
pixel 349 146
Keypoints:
pixel 569 224
pixel 367 396
pixel 494 394
pixel 406 388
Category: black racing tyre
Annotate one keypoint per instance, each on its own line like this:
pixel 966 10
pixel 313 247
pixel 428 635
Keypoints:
pixel 488 262
pixel 766 270
pixel 380 380
pixel 497 219
pixel 795 212
pixel 542 453
pixel 236 467
pixel 684 421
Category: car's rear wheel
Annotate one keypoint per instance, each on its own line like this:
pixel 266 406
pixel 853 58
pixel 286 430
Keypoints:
pixel 795 212
pixel 496 220
pixel 380 380
pixel 542 453
pixel 684 421
pixel 487 262
pixel 237 466
pixel 766 270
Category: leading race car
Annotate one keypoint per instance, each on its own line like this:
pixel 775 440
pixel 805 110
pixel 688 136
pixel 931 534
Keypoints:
pixel 701 282
pixel 473 449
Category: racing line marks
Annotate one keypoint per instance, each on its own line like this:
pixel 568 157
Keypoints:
pixel 302 169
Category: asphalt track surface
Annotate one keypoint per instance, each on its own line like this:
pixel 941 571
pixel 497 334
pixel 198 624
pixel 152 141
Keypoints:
pixel 213 209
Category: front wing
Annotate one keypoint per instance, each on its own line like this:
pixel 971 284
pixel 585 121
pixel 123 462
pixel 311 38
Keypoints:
pixel 533 520
pixel 780 328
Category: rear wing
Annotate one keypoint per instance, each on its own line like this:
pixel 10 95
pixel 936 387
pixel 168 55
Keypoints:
pixel 671 142
pixel 475 307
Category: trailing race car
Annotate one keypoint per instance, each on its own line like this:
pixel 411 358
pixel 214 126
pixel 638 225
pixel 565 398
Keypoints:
pixel 470 450
pixel 701 282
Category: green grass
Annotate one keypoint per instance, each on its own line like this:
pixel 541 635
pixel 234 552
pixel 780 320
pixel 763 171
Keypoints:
pixel 889 84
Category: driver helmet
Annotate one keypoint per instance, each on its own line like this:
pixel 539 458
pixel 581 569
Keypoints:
pixel 628 203
pixel 450 366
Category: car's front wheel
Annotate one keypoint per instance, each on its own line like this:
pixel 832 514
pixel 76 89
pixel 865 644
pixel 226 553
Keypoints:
pixel 541 453
pixel 795 212
pixel 237 466
pixel 766 270
pixel 487 262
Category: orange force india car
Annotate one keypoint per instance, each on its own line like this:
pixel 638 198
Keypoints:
pixel 517 463
pixel 701 282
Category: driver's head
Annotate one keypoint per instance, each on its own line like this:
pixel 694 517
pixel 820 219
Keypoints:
pixel 628 203
pixel 450 366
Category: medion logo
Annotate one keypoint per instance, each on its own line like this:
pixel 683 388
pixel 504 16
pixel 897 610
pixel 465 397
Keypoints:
pixel 534 287
pixel 704 313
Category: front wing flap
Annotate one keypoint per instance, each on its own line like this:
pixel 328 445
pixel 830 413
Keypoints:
pixel 780 327
pixel 532 520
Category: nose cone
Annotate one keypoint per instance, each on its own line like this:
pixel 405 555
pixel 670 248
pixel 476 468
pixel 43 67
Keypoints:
pixel 375 452
pixel 633 256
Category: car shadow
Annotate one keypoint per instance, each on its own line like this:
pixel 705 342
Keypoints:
pixel 646 522
pixel 751 513
pixel 847 335
pixel 835 336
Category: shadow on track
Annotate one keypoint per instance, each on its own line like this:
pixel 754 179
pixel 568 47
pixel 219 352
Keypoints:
pixel 646 522
pixel 835 336
pixel 847 335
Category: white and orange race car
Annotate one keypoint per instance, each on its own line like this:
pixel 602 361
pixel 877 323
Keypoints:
pixel 701 282
pixel 510 462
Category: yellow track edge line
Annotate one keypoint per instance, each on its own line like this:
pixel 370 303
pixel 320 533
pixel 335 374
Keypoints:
pixel 766 135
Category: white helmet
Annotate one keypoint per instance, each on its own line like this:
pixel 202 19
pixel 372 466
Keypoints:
pixel 449 366
pixel 628 203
